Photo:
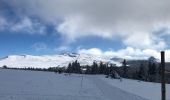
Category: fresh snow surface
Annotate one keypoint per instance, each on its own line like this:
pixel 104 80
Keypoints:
pixel 22 61
pixel 148 90
pixel 32 85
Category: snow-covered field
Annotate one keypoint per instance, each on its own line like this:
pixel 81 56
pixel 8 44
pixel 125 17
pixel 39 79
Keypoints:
pixel 32 85
pixel 151 91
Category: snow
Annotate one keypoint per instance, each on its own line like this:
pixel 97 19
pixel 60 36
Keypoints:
pixel 110 92
pixel 46 61
pixel 34 85
pixel 31 85
pixel 148 90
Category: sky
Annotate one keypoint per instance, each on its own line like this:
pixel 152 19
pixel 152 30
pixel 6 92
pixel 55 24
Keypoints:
pixel 120 28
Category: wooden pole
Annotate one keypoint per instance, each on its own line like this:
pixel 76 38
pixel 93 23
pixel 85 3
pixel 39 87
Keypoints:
pixel 163 88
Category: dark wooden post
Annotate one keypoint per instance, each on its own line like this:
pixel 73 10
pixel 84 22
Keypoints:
pixel 163 88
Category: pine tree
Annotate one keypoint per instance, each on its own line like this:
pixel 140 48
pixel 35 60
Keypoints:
pixel 101 68
pixel 152 69
pixel 149 68
pixel 4 67
pixel 76 67
pixel 158 73
pixel 95 68
pixel 112 68
pixel 125 70
pixel 88 69
pixel 69 68
pixel 142 72
pixel 106 69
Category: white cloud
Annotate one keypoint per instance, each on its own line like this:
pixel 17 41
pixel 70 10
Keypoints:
pixel 39 46
pixel 62 49
pixel 77 26
pixel 27 25
pixel 127 53
pixel 24 25
pixel 145 40
pixel 133 21
pixel 3 23
pixel 92 51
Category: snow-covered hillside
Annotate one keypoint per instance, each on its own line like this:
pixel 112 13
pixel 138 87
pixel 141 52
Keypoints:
pixel 36 85
pixel 46 61
pixel 148 90
pixel 31 85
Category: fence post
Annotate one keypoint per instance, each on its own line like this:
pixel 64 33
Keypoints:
pixel 163 88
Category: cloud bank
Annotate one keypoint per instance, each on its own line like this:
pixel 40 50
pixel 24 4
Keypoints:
pixel 127 53
pixel 137 23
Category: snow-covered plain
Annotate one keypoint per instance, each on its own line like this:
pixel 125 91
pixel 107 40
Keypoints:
pixel 33 85
pixel 28 85
pixel 149 90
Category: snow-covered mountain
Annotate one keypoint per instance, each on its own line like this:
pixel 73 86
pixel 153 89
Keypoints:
pixel 46 61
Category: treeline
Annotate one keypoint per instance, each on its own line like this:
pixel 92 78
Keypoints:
pixel 75 67
pixel 50 69
pixel 95 68
pixel 150 72
pixel 146 72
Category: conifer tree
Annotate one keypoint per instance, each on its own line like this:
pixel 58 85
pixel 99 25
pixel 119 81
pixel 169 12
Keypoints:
pixel 101 68
pixel 142 72
pixel 152 69
pixel 95 68
pixel 125 70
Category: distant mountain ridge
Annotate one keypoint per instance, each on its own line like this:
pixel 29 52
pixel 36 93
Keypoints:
pixel 60 60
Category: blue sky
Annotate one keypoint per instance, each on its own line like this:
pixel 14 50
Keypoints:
pixel 127 28
pixel 21 43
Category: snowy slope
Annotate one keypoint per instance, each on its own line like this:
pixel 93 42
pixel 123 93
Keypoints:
pixel 52 60
pixel 148 90
pixel 31 85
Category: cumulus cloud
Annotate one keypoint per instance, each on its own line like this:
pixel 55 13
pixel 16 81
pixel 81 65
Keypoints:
pixel 145 40
pixel 127 53
pixel 134 21
pixel 27 25
pixel 92 51
pixel 24 25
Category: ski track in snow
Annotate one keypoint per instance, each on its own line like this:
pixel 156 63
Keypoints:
pixel 114 93
pixel 31 85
